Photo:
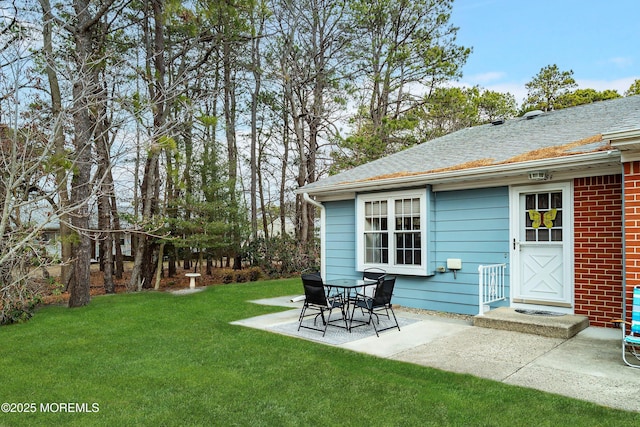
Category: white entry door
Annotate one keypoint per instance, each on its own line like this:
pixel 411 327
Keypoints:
pixel 541 248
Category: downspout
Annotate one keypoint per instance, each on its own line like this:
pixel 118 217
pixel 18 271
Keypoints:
pixel 323 264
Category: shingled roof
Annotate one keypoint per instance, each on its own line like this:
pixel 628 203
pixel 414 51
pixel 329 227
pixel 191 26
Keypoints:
pixel 549 135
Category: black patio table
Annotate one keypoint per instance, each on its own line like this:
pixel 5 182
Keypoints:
pixel 345 287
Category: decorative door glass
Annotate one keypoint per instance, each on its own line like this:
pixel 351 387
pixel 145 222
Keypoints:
pixel 543 217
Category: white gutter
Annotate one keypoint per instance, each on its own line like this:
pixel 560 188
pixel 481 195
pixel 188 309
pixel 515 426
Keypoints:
pixel 581 161
pixel 323 228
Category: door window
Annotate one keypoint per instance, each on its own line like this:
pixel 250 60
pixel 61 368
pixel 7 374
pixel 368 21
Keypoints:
pixel 543 217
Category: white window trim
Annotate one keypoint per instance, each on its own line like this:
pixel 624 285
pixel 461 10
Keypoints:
pixel 390 197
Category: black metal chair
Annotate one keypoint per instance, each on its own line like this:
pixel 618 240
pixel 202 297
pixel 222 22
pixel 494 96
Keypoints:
pixel 373 273
pixel 318 301
pixel 366 291
pixel 369 274
pixel 380 301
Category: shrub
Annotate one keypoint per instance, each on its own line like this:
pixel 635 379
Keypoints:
pixel 240 276
pixel 17 303
pixel 283 255
pixel 255 273
pixel 227 276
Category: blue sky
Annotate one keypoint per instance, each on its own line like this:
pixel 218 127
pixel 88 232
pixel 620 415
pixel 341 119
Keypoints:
pixel 513 39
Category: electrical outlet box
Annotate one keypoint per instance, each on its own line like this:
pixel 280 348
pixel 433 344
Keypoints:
pixel 454 263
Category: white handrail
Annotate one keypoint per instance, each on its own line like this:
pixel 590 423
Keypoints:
pixel 491 285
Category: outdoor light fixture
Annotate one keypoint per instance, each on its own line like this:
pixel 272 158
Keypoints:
pixel 539 176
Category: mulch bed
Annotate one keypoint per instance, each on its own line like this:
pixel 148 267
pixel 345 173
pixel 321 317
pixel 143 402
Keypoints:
pixel 97 285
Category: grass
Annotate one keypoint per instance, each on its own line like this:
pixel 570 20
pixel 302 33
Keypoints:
pixel 162 360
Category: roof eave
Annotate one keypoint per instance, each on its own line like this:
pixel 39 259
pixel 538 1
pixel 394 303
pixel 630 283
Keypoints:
pixel 477 175
pixel 626 141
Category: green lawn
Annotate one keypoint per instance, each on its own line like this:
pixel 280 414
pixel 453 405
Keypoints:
pixel 162 360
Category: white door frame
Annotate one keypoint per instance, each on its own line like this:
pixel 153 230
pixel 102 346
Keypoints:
pixel 515 218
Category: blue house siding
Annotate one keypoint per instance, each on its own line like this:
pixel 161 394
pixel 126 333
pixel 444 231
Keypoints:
pixel 340 236
pixel 472 225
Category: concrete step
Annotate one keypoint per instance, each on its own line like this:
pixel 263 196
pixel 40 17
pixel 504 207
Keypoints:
pixel 505 318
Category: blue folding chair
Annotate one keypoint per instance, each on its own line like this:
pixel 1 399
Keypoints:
pixel 631 340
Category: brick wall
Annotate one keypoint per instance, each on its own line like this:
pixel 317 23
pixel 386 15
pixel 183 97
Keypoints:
pixel 598 247
pixel 632 227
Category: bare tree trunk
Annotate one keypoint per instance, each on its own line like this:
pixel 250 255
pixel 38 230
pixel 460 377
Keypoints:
pixel 105 236
pixel 144 267
pixel 263 207
pixel 232 147
pixel 256 69
pixel 117 235
pixel 159 267
pixel 84 129
pixel 60 150
pixel 283 170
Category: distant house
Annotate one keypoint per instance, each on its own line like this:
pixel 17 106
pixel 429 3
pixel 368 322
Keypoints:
pixel 275 227
pixel 552 199
pixel 50 238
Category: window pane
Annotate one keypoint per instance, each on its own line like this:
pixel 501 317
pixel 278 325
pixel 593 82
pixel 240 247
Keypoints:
pixel 408 240
pixel 530 235
pixel 556 235
pixel 407 248
pixel 530 201
pixel 543 234
pixel 558 221
pixel 556 200
pixel 543 201
pixel 376 247
pixel 368 255
pixel 371 240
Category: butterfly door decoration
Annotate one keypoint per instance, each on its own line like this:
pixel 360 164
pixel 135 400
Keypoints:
pixel 545 218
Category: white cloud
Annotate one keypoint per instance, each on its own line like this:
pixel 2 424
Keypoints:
pixel 485 78
pixel 621 85
pixel 620 61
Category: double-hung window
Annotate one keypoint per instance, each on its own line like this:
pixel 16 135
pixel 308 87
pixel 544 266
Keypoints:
pixel 391 231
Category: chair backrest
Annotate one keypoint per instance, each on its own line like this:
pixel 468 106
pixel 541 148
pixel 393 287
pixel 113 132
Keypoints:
pixel 314 289
pixel 373 273
pixel 384 291
pixel 635 313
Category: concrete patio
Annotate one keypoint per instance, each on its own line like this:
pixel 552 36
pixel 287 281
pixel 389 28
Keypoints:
pixel 587 366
